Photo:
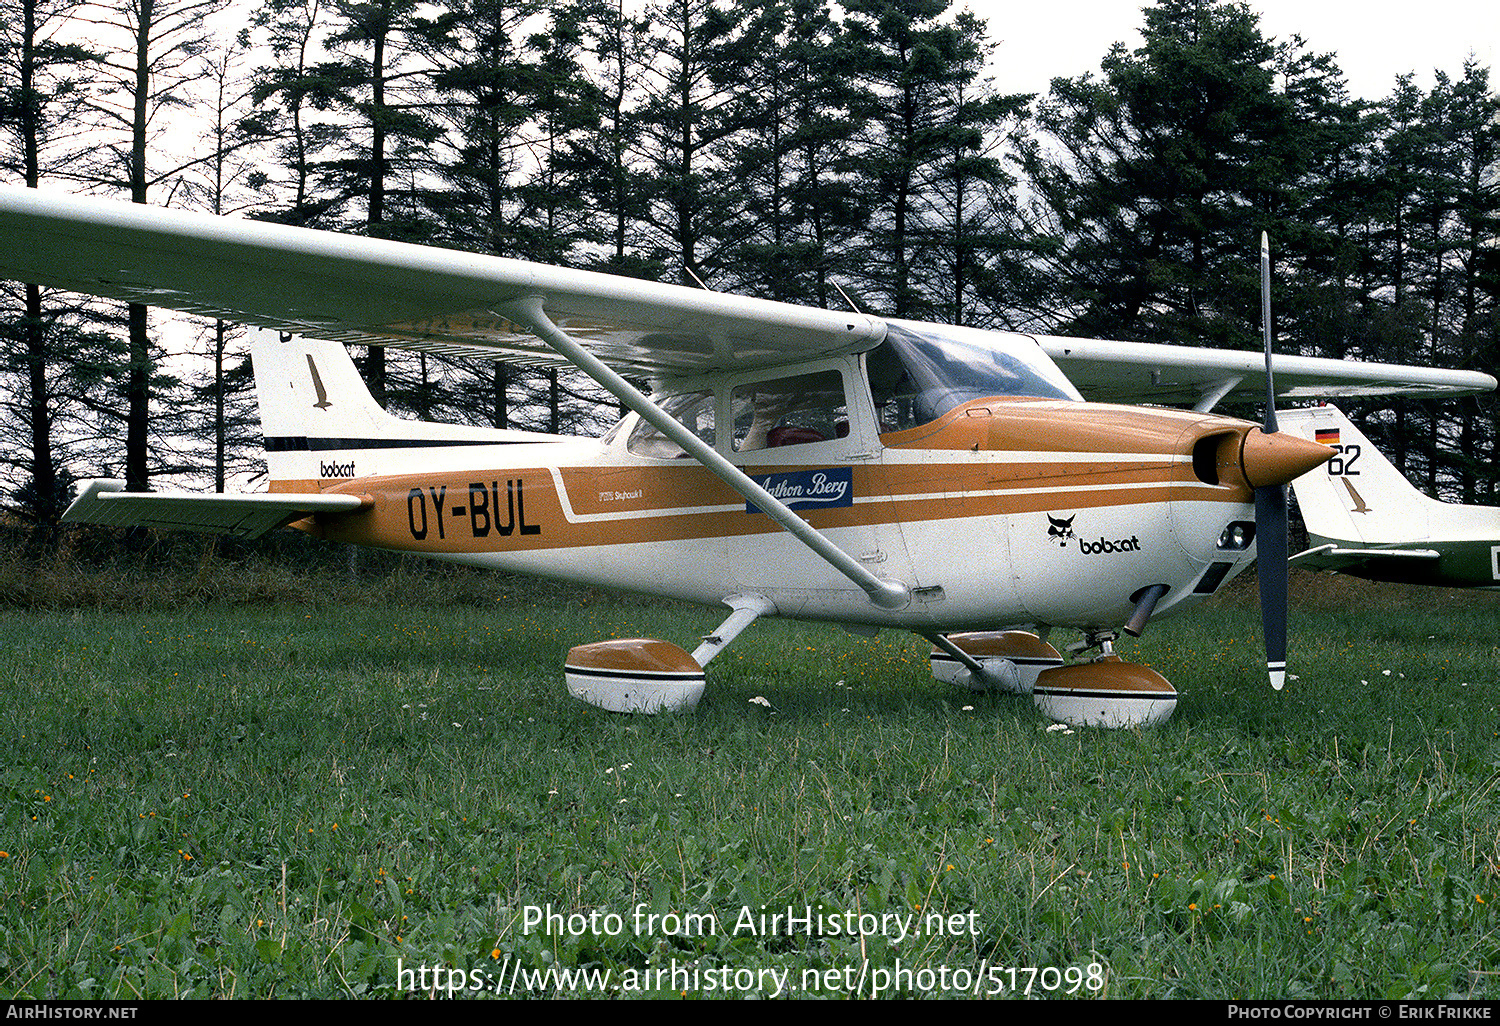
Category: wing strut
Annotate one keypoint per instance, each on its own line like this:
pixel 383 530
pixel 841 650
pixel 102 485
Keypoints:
pixel 529 312
pixel 1215 391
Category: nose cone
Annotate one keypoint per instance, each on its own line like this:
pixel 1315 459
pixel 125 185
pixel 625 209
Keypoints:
pixel 1279 457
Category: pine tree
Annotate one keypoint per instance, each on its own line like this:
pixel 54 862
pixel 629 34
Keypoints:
pixel 375 165
pixel 927 114
pixel 683 123
pixel 614 41
pixel 970 216
pixel 1166 157
pixel 39 113
pixel 482 91
pixel 1461 221
pixel 564 102
pixel 148 61
pixel 222 402
pixel 791 152
pixel 293 102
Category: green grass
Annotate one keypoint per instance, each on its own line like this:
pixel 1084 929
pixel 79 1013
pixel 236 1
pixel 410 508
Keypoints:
pixel 267 799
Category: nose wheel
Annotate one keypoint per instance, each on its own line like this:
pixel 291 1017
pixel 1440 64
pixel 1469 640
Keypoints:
pixel 1105 691
pixel 1102 691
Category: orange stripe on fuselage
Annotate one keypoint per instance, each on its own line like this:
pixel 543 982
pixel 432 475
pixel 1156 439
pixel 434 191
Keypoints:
pixel 517 510
pixel 990 457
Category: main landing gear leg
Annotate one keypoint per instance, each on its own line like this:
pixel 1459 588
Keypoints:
pixel 646 675
pixel 746 608
pixel 985 660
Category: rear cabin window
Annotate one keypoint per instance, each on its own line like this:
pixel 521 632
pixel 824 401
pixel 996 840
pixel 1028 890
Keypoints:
pixel 781 412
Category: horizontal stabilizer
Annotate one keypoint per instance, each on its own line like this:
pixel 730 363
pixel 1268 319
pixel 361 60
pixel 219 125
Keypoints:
pixel 241 515
pixel 1333 557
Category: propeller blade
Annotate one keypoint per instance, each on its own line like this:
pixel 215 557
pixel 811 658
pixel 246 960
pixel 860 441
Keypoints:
pixel 1265 328
pixel 1271 555
pixel 1271 566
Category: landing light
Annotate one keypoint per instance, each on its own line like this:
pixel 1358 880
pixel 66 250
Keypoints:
pixel 1237 536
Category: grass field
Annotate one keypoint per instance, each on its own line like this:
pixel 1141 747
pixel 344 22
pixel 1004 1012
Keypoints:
pixel 393 796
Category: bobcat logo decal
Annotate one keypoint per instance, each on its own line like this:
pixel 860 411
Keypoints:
pixel 1061 530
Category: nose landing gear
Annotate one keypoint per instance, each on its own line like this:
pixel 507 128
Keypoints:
pixel 1106 691
pixel 1102 692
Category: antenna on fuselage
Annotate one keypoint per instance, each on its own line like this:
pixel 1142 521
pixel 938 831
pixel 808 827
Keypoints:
pixel 852 304
pixel 697 279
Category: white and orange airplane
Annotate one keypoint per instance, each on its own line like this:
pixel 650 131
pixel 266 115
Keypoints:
pixel 789 461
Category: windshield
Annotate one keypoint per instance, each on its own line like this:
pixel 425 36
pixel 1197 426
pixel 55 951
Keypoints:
pixel 920 372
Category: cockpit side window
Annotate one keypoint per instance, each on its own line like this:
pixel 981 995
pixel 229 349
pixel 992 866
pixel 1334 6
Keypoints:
pixel 694 410
pixel 898 398
pixel 916 377
pixel 798 410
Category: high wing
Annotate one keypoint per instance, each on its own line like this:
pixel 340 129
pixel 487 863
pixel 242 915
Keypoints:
pixel 237 515
pixel 356 289
pixel 1138 372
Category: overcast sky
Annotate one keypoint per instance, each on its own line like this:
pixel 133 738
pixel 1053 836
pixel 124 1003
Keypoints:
pixel 1374 40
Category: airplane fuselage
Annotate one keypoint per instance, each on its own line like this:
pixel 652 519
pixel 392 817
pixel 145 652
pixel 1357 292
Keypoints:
pixel 805 462
pixel 1001 511
pixel 1364 519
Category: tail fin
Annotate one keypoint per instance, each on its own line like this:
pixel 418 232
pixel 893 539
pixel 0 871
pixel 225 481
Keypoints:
pixel 310 388
pixel 322 425
pixel 1358 498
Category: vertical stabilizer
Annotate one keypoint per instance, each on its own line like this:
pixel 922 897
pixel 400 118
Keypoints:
pixel 314 408
pixel 306 387
pixel 322 426
pixel 1358 498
